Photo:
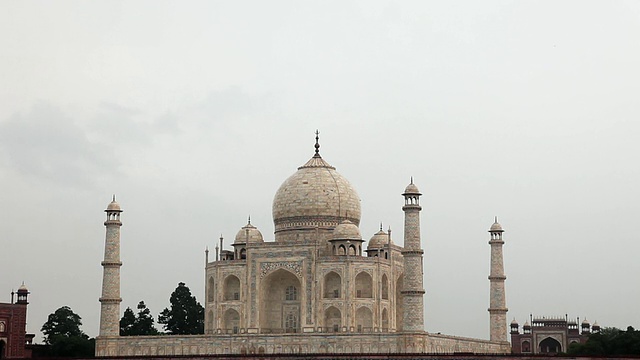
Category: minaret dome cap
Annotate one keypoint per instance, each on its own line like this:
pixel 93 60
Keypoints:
pixel 23 288
pixel 496 227
pixel 411 189
pixel 113 205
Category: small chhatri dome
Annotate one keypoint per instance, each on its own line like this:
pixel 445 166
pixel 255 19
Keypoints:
pixel 113 205
pixel 496 226
pixel 346 230
pixel 314 196
pixel 514 322
pixel 526 325
pixel 248 234
pixel 585 322
pixel 379 240
pixel 23 288
pixel 411 189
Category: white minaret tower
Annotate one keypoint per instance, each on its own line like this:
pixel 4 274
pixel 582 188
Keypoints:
pixel 110 299
pixel 497 303
pixel 413 290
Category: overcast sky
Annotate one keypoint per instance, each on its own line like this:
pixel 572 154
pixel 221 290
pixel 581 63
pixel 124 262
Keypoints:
pixel 193 114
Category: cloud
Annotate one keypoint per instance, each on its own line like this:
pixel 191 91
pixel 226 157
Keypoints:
pixel 45 143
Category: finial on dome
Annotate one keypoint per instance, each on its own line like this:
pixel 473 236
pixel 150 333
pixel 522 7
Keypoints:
pixel 114 197
pixel 412 179
pixel 317 146
pixel 249 220
pixel 380 225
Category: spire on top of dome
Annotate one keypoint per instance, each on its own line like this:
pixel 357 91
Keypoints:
pixel 317 160
pixel 496 227
pixel 317 146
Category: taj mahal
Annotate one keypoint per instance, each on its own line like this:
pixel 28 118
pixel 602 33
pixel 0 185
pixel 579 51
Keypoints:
pixel 318 287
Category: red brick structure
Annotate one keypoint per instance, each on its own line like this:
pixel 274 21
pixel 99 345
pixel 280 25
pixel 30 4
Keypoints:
pixel 549 335
pixel 13 327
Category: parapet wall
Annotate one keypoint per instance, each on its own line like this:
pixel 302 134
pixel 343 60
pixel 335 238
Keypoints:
pixel 315 343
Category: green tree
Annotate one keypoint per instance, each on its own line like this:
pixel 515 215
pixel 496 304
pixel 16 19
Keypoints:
pixel 63 322
pixel 609 342
pixel 63 335
pixel 186 315
pixel 142 324
pixel 127 322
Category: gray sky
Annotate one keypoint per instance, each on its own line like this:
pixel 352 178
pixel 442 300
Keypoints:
pixel 194 113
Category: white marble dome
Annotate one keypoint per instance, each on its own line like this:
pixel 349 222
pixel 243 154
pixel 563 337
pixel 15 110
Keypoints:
pixel 346 230
pixel 378 240
pixel 248 234
pixel 315 195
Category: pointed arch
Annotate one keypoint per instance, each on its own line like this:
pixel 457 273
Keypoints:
pixel 550 346
pixel 210 322
pixel 332 319
pixel 364 285
pixel 399 302
pixel 384 287
pixel 385 320
pixel 332 285
pixel 364 319
pixel 231 288
pixel 282 294
pixel 211 290
pixel 231 321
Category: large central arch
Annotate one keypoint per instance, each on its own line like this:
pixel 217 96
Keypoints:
pixel 281 294
pixel 550 346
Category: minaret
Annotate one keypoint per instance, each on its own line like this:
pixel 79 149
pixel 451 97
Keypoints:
pixel 497 303
pixel 413 290
pixel 110 300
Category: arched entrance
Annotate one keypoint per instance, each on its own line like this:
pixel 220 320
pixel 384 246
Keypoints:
pixel 550 346
pixel 231 288
pixel 399 302
pixel 280 310
pixel 332 319
pixel 332 285
pixel 364 320
pixel 364 285
pixel 385 320
pixel 384 284
pixel 231 321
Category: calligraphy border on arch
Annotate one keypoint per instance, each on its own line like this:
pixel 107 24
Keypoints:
pixel 293 266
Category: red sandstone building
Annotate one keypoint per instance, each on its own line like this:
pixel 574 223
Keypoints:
pixel 549 335
pixel 13 327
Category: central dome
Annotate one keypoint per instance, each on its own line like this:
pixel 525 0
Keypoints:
pixel 314 196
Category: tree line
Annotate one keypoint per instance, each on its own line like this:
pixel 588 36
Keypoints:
pixel 63 336
pixel 609 342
